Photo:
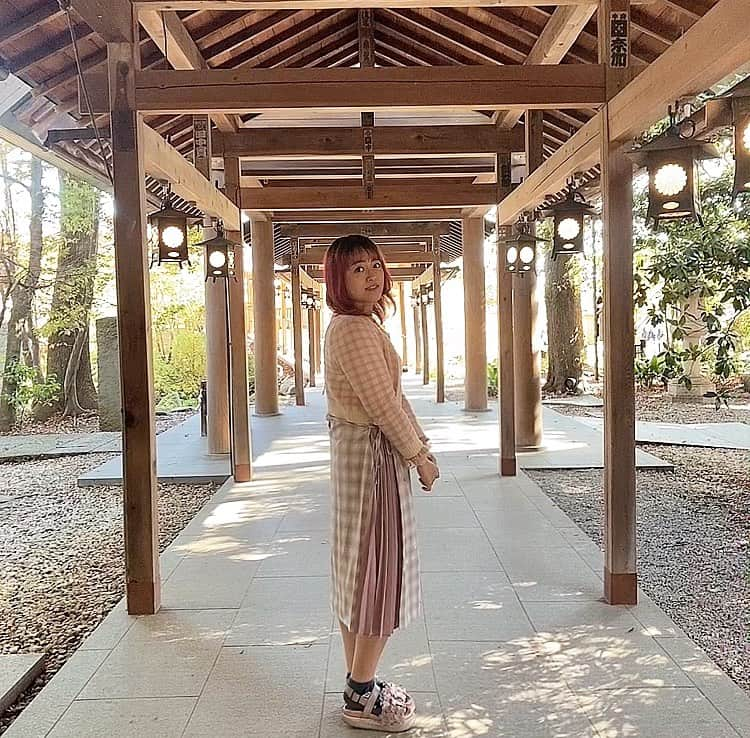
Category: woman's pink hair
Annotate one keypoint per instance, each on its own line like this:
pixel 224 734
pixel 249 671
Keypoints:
pixel 339 257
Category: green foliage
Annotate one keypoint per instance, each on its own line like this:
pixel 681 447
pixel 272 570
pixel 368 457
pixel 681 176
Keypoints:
pixel 25 389
pixel 178 376
pixel 684 260
pixel 658 369
pixel 492 375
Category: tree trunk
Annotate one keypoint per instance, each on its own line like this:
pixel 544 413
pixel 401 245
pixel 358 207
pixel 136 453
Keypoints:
pixel 562 295
pixel 23 296
pixel 73 295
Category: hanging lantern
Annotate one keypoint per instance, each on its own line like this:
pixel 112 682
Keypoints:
pixel 741 120
pixel 671 160
pixel 219 255
pixel 568 226
pixel 520 247
pixel 167 231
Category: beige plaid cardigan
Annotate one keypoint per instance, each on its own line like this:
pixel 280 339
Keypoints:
pixel 363 382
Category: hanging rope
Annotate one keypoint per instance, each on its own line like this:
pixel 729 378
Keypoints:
pixel 65 7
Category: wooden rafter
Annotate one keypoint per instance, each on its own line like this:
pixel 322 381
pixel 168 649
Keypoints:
pixel 172 38
pixel 29 22
pixel 690 67
pixel 323 4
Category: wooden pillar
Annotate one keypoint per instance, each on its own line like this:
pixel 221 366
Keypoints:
pixel 311 344
pixel 264 305
pixel 475 316
pixel 440 373
pixel 506 369
pixel 143 587
pixel 402 313
pixel 217 371
pixel 528 364
pixel 417 334
pixel 620 565
pixel 282 320
pixel 425 339
pixel 239 400
pixel 318 340
pixel 299 377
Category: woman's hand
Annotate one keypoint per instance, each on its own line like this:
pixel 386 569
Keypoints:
pixel 428 472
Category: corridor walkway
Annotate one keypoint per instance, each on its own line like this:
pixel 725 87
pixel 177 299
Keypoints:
pixel 514 641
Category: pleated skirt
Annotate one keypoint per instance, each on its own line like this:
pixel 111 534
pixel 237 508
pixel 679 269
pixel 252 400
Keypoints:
pixel 374 559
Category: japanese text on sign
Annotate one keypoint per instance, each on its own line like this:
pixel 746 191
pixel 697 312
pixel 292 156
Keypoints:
pixel 618 39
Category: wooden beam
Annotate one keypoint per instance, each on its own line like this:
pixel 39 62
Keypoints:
pixel 685 69
pixel 355 216
pixel 379 88
pixel 316 254
pixel 168 32
pixel 143 583
pixel 112 19
pixel 334 230
pixel 323 4
pixel 29 22
pixel 415 140
pixel 554 42
pixel 396 195
pixel 165 162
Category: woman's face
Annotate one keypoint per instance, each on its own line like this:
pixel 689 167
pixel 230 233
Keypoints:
pixel 364 280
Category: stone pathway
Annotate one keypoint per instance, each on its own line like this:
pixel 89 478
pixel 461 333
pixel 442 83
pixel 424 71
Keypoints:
pixel 707 435
pixel 49 445
pixel 514 640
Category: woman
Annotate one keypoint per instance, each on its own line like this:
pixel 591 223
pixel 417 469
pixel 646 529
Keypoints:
pixel 375 439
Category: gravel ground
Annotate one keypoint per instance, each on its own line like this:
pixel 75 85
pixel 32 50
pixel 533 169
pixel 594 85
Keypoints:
pixel 693 526
pixel 61 554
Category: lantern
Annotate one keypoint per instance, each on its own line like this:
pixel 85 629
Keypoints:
pixel 671 160
pixel 568 216
pixel 741 120
pixel 520 247
pixel 168 232
pixel 219 255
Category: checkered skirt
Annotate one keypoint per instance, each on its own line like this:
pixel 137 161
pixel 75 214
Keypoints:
pixel 374 559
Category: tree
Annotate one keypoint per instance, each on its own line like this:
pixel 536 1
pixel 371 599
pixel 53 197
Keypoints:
pixel 562 297
pixel 689 264
pixel 22 343
pixel 68 356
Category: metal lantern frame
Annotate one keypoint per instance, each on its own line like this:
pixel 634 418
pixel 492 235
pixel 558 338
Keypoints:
pixel 170 220
pixel 741 122
pixel 568 212
pixel 520 240
pixel 219 255
pixel 674 154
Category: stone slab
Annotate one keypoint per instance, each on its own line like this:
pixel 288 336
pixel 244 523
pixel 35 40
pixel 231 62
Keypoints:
pixel 706 435
pixel 52 445
pixel 181 458
pixel 575 401
pixel 17 671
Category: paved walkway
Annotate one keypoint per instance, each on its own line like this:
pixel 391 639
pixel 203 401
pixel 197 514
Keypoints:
pixel 50 445
pixel 514 640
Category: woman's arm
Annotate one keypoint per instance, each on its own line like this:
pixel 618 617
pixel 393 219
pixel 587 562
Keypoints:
pixel 409 410
pixel 358 348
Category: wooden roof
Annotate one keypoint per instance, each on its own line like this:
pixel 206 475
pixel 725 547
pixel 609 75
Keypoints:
pixel 35 46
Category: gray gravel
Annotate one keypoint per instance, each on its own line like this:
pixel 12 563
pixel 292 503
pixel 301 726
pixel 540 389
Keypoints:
pixel 61 555
pixel 693 527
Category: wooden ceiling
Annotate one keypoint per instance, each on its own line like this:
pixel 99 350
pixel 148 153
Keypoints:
pixel 35 46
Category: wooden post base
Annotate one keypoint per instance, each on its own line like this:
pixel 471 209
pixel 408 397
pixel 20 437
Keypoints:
pixel 144 598
pixel 620 589
pixel 270 414
pixel 507 467
pixel 242 473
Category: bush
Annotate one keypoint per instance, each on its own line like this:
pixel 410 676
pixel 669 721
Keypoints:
pixel 659 368
pixel 492 378
pixel 179 377
pixel 26 389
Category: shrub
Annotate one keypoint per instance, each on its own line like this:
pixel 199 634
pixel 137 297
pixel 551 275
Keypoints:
pixel 659 368
pixel 492 378
pixel 26 389
pixel 179 377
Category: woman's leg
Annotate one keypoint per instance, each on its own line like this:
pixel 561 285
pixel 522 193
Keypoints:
pixel 350 640
pixel 367 653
